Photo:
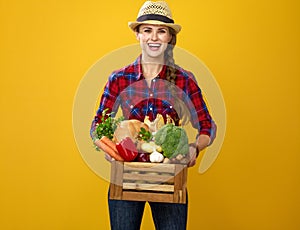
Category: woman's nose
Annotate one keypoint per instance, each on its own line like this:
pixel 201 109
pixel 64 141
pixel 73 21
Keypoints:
pixel 154 36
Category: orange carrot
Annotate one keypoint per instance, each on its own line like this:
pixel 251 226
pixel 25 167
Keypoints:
pixel 107 149
pixel 109 142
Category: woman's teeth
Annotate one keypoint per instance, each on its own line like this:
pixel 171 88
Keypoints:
pixel 154 45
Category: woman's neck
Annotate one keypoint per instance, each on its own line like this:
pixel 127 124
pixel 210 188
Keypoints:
pixel 151 70
pixel 151 67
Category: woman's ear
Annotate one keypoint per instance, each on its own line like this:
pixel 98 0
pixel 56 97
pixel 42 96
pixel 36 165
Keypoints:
pixel 137 35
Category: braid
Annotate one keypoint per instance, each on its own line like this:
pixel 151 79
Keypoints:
pixel 179 105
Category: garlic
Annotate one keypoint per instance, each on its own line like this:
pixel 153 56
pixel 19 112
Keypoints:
pixel 156 157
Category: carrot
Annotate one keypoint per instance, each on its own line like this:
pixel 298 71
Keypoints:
pixel 109 142
pixel 107 149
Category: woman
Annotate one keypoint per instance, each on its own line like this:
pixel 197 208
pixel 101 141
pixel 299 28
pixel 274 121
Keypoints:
pixel 153 85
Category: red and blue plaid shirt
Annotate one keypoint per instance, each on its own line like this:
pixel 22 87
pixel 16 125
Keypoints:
pixel 127 88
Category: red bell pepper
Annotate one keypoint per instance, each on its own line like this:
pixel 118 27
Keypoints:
pixel 127 149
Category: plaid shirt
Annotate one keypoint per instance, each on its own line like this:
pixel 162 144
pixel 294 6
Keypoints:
pixel 128 89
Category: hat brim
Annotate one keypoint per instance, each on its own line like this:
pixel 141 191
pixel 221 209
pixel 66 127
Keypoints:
pixel 133 25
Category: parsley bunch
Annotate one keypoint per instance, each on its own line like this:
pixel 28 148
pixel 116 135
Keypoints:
pixel 144 135
pixel 108 125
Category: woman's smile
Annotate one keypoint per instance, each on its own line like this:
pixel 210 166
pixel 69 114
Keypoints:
pixel 154 46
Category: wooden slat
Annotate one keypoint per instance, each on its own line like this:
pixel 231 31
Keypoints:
pixel 116 180
pixel 149 187
pixel 149 177
pixel 149 167
pixel 115 192
pixel 116 176
pixel 148 196
pixel 180 184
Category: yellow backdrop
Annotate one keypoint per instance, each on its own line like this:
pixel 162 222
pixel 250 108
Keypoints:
pixel 251 47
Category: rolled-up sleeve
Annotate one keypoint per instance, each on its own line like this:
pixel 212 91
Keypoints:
pixel 107 101
pixel 200 116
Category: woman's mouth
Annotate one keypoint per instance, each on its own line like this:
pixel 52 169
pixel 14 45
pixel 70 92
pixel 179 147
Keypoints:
pixel 154 46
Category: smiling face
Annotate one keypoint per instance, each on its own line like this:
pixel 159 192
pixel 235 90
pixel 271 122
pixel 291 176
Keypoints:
pixel 154 40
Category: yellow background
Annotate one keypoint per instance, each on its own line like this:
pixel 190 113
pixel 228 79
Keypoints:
pixel 252 48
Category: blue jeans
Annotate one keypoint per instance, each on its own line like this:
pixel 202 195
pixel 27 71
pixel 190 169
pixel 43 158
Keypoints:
pixel 127 215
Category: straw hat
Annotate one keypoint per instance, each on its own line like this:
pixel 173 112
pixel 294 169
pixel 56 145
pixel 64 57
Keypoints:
pixel 155 13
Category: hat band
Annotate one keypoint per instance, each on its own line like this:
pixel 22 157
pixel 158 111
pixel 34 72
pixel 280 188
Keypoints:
pixel 155 17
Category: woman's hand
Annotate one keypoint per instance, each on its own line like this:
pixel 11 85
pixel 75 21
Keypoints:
pixel 195 148
pixel 106 155
pixel 202 142
pixel 109 158
pixel 192 155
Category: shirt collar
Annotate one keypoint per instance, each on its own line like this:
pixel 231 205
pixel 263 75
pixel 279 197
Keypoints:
pixel 138 69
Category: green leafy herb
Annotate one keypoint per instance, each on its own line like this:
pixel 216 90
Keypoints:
pixel 108 125
pixel 144 135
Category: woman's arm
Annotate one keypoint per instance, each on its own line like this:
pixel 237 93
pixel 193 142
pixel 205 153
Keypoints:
pixel 200 119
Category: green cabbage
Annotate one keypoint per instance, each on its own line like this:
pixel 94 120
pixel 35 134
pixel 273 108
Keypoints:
pixel 173 140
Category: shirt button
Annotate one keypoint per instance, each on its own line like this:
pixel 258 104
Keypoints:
pixel 171 106
pixel 153 80
pixel 151 108
pixel 131 106
pixel 151 95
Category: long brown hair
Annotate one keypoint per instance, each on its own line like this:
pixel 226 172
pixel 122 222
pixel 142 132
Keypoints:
pixel 179 105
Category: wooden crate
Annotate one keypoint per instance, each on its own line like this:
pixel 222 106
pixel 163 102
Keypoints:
pixel 157 182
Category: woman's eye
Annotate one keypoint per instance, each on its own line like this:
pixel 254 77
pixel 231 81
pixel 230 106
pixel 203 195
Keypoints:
pixel 162 31
pixel 147 31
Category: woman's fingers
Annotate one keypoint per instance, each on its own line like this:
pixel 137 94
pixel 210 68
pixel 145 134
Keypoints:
pixel 192 156
pixel 108 157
